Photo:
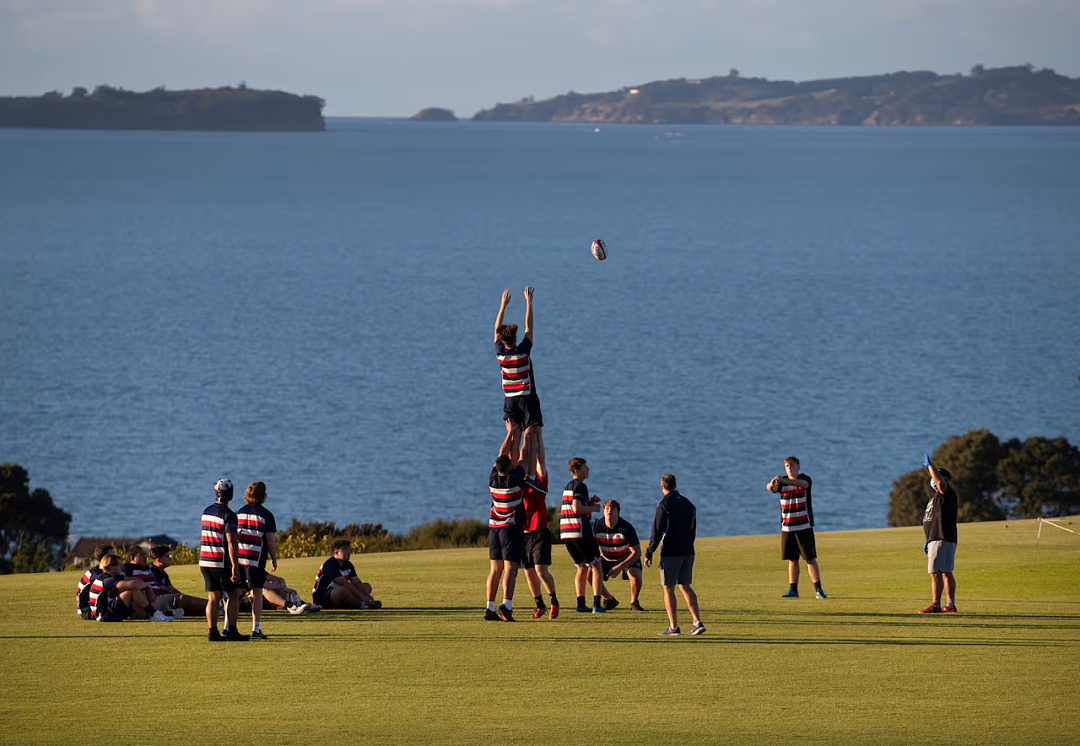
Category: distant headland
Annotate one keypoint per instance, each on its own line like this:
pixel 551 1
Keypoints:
pixel 107 108
pixel 434 114
pixel 1017 95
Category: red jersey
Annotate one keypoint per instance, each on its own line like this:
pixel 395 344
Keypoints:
pixel 536 516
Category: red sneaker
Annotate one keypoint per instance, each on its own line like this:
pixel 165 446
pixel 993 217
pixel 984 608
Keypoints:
pixel 949 610
pixel 539 613
pixel 931 609
pixel 554 613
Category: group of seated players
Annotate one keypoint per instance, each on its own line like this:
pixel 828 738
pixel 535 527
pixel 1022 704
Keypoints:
pixel 235 550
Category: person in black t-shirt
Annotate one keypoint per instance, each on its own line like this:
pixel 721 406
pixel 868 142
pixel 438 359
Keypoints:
pixel 336 583
pixel 939 526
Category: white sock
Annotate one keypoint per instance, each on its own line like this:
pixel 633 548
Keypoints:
pixel 491 606
pixel 508 603
pixel 254 628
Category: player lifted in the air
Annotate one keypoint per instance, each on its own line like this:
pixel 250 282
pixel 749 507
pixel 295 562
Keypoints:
pixel 521 405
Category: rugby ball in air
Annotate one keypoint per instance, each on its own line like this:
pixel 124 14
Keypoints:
pixel 599 250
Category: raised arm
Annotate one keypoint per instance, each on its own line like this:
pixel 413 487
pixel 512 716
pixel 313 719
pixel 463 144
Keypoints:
pixel 528 312
pixel 941 482
pixel 502 312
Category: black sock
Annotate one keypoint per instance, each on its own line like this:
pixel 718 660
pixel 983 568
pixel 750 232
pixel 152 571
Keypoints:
pixel 539 601
pixel 580 601
pixel 595 601
pixel 554 600
pixel 817 586
pixel 795 587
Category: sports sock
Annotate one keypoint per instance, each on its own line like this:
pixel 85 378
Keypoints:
pixel 817 586
pixel 794 587
pixel 539 601
pixel 580 601
pixel 508 603
pixel 554 600
pixel 595 601
pixel 254 628
pixel 491 606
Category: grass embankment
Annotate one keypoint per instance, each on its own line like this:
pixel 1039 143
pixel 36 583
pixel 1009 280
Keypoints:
pixel 861 667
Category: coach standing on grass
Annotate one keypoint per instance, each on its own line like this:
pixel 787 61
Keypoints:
pixel 939 525
pixel 674 530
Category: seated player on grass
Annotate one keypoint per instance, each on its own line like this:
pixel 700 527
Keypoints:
pixel 136 569
pixel 620 552
pixel 82 593
pixel 161 559
pixel 116 598
pixel 336 585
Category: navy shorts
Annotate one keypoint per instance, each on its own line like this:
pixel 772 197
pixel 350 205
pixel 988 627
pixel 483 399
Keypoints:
pixel 537 548
pixel 506 543
pixel 116 611
pixel 677 570
pixel 608 565
pixel 256 576
pixel 583 551
pixel 523 410
pixel 218 579
pixel 794 544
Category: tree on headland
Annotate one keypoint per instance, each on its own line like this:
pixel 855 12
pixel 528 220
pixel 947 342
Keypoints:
pixel 33 531
pixel 995 480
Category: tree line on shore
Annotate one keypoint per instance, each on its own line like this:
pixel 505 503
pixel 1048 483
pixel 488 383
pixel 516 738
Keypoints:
pixel 994 480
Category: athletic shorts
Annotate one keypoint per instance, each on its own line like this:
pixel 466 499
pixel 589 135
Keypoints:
pixel 607 565
pixel 506 543
pixel 940 556
pixel 795 544
pixel 523 410
pixel 218 579
pixel 256 576
pixel 583 551
pixel 166 601
pixel 537 548
pixel 677 570
pixel 116 611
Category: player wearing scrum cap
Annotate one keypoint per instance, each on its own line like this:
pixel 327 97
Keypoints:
pixel 219 562
pixel 521 405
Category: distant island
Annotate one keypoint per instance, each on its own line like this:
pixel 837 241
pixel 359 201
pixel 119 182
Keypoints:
pixel 1017 95
pixel 108 108
pixel 434 114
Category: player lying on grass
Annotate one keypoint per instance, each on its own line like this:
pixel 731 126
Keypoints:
pixel 115 598
pixel 521 404
pixel 86 580
pixel 137 569
pixel 336 584
pixel 575 528
pixel 620 553
pixel 278 596
pixel 537 555
pixel 797 525
pixel 939 526
pixel 506 541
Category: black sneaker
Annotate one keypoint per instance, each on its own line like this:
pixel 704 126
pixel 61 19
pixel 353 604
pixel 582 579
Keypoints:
pixel 233 636
pixel 260 636
pixel 491 616
pixel 635 606
pixel 375 605
pixel 506 614
pixel 611 603
pixel 214 636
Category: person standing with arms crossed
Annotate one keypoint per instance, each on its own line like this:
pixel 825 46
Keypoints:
pixel 939 526
pixel 797 531
pixel 674 530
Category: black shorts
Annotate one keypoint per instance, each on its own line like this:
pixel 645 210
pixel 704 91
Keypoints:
pixel 256 576
pixel 794 544
pixel 523 410
pixel 218 579
pixel 506 543
pixel 608 565
pixel 116 611
pixel 583 551
pixel 537 548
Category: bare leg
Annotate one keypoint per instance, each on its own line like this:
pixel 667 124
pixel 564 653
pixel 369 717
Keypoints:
pixel 669 604
pixel 510 581
pixel 691 602
pixel 579 580
pixel 793 571
pixel 815 573
pixel 494 575
pixel 272 598
pixel 533 579
pixel 256 608
pixel 950 589
pixel 935 587
pixel 192 605
pixel 232 609
pixel 546 578
pixel 212 608
pixel 635 583
pixel 598 588
pixel 136 601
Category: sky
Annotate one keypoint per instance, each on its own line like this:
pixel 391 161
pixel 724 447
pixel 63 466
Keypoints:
pixel 395 57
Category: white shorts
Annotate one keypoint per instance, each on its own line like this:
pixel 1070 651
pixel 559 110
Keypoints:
pixel 940 556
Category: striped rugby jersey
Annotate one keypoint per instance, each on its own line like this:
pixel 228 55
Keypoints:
pixel 134 572
pixel 572 525
pixel 217 522
pixel 99 596
pixel 517 378
pixel 87 579
pixel 615 542
pixel 796 511
pixel 330 571
pixel 507 508
pixel 254 522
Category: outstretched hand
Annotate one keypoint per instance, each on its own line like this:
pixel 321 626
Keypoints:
pixel 926 460
pixel 529 290
pixel 506 298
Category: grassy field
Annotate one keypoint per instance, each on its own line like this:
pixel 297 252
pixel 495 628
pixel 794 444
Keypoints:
pixel 861 667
